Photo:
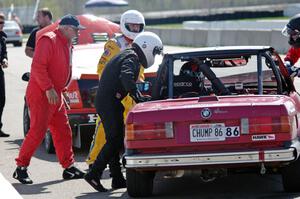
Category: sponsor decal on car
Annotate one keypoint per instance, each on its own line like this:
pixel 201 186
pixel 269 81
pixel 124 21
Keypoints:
pixel 263 137
pixel 92 118
pixel 219 111
pixel 74 97
pixel 183 84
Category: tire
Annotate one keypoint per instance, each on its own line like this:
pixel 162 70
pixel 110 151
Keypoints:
pixel 26 119
pixel 48 143
pixel 139 184
pixel 291 177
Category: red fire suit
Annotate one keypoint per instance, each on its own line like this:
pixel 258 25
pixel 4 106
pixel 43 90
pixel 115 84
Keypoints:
pixel 293 55
pixel 51 68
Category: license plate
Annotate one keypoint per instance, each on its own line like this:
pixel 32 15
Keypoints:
pixel 212 132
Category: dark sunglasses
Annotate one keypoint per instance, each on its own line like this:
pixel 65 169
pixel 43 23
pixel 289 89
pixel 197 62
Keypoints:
pixel 2 22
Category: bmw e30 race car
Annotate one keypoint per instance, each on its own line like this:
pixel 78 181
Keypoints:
pixel 216 111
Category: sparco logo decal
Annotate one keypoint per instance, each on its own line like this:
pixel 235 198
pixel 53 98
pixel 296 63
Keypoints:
pixel 263 137
pixel 182 84
pixel 205 113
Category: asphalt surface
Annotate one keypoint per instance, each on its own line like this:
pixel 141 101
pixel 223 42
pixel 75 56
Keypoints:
pixel 46 172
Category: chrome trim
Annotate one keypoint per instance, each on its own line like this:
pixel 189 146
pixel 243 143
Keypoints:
pixel 150 161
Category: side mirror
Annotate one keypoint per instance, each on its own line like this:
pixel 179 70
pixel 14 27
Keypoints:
pixel 143 87
pixel 26 76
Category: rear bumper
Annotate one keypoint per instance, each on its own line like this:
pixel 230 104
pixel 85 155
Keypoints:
pixel 82 119
pixel 151 161
pixel 14 39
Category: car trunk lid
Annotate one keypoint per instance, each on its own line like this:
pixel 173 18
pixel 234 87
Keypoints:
pixel 234 121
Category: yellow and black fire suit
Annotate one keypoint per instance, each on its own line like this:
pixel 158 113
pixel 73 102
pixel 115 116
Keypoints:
pixel 111 49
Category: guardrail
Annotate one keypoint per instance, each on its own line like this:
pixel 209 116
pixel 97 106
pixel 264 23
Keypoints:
pixel 218 37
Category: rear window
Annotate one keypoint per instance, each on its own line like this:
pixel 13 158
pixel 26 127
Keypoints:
pixel 232 76
pixel 10 24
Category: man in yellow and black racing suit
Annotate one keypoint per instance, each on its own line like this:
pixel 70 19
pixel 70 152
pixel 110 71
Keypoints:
pixel 131 24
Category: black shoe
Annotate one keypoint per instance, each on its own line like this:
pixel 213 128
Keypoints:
pixel 22 175
pixel 118 182
pixel 72 173
pixel 2 134
pixel 94 181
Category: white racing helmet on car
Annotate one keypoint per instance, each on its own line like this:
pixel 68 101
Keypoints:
pixel 150 45
pixel 131 17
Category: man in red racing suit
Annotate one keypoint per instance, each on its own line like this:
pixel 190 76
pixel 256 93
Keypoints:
pixel 50 74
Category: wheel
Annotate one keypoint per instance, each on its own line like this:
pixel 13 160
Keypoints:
pixel 48 143
pixel 291 177
pixel 26 119
pixel 139 183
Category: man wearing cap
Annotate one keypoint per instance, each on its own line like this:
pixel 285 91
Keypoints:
pixel 50 74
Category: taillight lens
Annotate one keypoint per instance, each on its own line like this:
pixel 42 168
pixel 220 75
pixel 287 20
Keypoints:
pixel 283 124
pixel 151 131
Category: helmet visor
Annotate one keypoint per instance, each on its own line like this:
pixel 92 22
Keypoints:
pixel 286 31
pixel 133 27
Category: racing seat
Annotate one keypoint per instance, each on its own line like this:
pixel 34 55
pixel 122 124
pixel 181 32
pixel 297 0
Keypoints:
pixel 189 82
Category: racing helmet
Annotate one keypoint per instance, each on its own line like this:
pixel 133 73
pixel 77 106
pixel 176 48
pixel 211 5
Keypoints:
pixel 131 17
pixel 150 45
pixel 292 31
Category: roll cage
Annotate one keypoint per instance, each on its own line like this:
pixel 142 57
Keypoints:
pixel 207 55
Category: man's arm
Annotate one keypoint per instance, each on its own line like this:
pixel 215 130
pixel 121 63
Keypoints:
pixel 40 63
pixel 4 62
pixel 111 48
pixel 128 78
pixel 29 51
pixel 127 74
pixel 30 45
pixel 292 55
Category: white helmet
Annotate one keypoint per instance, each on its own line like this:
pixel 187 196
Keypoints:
pixel 150 44
pixel 131 17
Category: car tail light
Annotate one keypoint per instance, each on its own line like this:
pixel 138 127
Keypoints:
pixel 283 124
pixel 18 33
pixel 151 131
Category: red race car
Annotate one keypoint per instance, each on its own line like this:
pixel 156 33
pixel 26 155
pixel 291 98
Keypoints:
pixel 218 111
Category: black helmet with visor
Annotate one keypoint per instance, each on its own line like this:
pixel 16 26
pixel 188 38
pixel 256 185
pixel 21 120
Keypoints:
pixel 292 31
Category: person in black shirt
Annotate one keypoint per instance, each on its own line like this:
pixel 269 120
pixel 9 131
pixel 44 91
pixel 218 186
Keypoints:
pixel 3 64
pixel 43 18
pixel 117 80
